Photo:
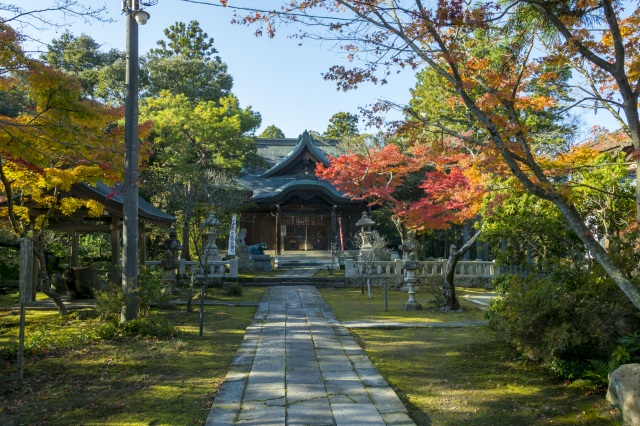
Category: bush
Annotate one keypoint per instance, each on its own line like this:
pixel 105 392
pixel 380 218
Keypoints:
pixel 150 326
pixel 109 302
pixel 234 290
pixel 564 320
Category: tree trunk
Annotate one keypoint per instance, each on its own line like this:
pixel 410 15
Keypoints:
pixel 598 252
pixel 448 287
pixel 185 253
pixel 45 282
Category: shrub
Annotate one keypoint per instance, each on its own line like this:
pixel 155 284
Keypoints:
pixel 150 326
pixel 564 319
pixel 109 302
pixel 234 290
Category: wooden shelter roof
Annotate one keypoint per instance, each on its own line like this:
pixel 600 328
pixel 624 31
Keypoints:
pixel 113 202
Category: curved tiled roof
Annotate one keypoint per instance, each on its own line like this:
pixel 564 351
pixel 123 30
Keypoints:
pixel 303 184
pixel 113 201
pixel 284 179
pixel 305 141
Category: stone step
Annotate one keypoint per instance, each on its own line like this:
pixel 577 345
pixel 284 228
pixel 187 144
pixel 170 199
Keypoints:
pixel 293 284
pixel 284 262
pixel 291 281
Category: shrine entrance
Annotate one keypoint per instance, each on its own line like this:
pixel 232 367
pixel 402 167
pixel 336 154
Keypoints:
pixel 306 233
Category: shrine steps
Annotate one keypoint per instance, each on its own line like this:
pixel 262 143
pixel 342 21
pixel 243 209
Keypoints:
pixel 296 259
pixel 292 281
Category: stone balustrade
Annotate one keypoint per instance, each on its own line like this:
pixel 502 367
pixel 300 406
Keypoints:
pixel 215 269
pixel 427 268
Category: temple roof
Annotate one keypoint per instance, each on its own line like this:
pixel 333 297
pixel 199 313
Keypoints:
pixel 273 151
pixel 292 170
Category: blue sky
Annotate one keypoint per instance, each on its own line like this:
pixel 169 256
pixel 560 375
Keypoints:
pixel 276 77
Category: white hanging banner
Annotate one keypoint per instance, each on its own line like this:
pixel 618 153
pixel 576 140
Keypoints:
pixel 232 237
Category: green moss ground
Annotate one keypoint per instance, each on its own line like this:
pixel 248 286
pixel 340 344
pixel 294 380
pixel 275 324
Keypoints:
pixel 133 382
pixel 349 304
pixel 463 376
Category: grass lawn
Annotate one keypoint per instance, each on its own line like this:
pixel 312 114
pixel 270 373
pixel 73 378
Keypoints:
pixel 324 273
pixel 462 376
pixel 349 304
pixel 134 382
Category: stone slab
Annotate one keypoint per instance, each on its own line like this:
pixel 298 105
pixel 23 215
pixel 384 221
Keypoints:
pixel 230 392
pixel 357 415
pixel 317 413
pixel 386 400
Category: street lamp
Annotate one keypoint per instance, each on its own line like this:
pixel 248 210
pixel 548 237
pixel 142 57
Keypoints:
pixel 135 16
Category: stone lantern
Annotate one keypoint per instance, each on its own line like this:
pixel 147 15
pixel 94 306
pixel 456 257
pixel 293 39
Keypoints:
pixel 211 252
pixel 366 249
pixel 169 262
pixel 411 276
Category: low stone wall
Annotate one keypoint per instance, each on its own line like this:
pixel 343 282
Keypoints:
pixel 468 273
pixel 215 269
pixel 460 281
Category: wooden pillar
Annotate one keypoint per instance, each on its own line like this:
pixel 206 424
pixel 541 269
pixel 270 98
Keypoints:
pixel 278 231
pixel 333 228
pixel 142 245
pixel 26 270
pixel 75 243
pixel 115 249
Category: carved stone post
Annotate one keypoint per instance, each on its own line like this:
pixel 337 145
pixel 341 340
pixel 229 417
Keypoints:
pixel 411 276
pixel 169 263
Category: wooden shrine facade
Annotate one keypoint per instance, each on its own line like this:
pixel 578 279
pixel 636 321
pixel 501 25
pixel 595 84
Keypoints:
pixel 292 208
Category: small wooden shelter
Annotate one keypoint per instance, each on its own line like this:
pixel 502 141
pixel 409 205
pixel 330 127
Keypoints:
pixel 110 221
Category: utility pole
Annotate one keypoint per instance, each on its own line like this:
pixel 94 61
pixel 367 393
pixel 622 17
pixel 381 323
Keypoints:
pixel 135 16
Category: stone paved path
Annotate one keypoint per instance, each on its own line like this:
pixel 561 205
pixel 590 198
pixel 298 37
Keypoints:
pixel 298 366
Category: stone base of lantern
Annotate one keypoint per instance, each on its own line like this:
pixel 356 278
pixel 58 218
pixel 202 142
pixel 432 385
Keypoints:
pixel 412 306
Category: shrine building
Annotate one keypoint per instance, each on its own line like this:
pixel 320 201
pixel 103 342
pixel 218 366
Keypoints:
pixel 292 209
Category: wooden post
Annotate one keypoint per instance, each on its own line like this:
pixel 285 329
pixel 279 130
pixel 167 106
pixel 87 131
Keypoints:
pixel 386 302
pixel 278 231
pixel 201 311
pixel 26 270
pixel 142 245
pixel 334 242
pixel 21 343
pixel 115 249
pixel 75 242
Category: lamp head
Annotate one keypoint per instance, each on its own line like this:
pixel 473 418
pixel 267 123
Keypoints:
pixel 141 16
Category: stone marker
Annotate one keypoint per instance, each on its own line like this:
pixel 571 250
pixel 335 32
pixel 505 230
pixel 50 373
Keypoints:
pixel 624 391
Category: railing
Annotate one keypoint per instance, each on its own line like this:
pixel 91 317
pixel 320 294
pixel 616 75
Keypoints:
pixel 428 268
pixel 215 269
pixel 379 269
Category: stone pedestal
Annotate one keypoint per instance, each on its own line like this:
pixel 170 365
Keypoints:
pixel 245 264
pixel 169 264
pixel 261 262
pixel 169 281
